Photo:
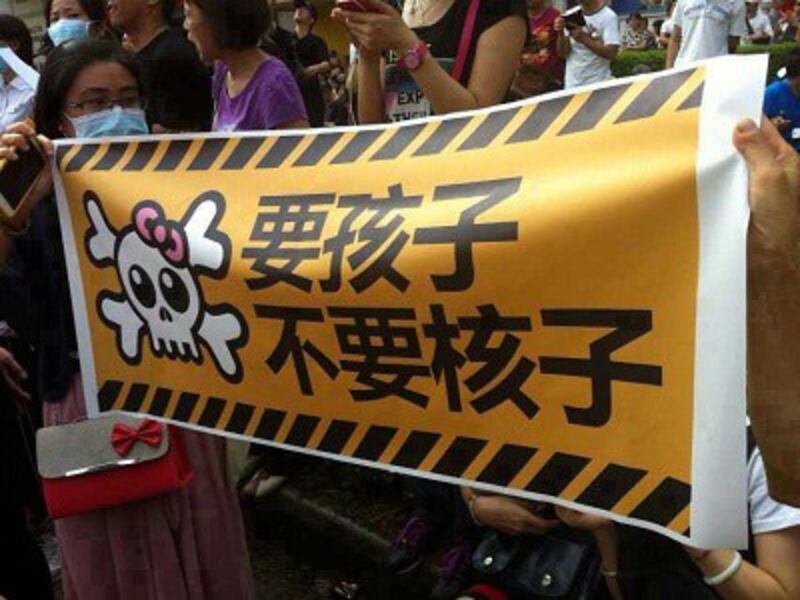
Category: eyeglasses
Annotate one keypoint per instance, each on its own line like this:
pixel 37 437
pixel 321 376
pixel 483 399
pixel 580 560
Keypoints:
pixel 93 105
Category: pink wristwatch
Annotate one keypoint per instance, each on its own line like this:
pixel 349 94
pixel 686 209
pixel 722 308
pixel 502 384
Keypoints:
pixel 413 58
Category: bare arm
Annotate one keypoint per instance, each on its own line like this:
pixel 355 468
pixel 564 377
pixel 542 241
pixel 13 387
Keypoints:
pixel 371 108
pixel 563 46
pixel 607 51
pixel 605 534
pixel 608 547
pixel 496 59
pixel 674 45
pixel 776 577
pixel 318 69
pixel 508 515
pixel 773 309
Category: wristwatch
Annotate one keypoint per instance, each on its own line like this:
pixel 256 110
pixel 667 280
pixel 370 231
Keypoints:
pixel 413 58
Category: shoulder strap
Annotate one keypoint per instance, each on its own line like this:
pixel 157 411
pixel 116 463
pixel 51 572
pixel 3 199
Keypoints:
pixel 465 44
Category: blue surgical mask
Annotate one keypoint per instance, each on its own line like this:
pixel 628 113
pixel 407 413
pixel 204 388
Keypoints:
pixel 3 65
pixel 111 122
pixel 68 30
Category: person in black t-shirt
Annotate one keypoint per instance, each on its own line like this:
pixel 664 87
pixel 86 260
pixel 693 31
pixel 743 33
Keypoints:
pixel 423 75
pixel 278 42
pixel 176 83
pixel 312 55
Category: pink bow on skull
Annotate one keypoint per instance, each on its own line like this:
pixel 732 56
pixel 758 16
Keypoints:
pixel 156 231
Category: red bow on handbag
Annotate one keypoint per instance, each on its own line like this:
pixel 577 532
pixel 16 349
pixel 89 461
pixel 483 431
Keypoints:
pixel 123 437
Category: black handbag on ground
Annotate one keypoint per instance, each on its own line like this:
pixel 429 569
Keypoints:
pixel 564 563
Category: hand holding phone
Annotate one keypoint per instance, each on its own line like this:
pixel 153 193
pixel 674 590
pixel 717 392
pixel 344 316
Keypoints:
pixel 574 18
pixel 24 177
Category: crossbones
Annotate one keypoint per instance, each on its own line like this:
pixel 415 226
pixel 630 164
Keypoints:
pixel 158 263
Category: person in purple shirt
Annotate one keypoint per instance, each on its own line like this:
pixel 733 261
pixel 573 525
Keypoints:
pixel 252 90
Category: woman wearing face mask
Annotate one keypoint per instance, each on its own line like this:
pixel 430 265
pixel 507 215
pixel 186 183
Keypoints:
pixel 188 544
pixel 72 20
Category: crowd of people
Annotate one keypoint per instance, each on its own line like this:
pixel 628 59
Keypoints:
pixel 130 67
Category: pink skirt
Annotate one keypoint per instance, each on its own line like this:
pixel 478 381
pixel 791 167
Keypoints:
pixel 186 545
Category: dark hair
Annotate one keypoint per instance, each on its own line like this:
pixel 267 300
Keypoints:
pixel 305 5
pixel 236 24
pixel 168 10
pixel 792 64
pixel 95 9
pixel 636 15
pixel 63 67
pixel 14 32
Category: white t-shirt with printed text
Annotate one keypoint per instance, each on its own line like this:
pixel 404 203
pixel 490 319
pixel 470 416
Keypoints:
pixel 706 26
pixel 583 65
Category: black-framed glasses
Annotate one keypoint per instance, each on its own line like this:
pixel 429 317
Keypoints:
pixel 93 105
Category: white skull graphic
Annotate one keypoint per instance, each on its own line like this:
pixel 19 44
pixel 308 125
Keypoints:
pixel 158 263
pixel 166 297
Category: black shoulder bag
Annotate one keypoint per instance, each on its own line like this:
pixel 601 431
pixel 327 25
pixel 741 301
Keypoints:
pixel 561 564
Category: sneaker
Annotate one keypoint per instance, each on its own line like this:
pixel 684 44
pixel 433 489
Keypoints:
pixel 455 572
pixel 411 542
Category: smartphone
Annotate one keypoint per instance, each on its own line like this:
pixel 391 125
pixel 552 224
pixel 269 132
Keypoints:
pixel 352 5
pixel 574 17
pixel 17 177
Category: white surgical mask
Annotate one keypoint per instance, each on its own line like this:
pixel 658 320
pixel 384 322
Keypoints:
pixel 111 122
pixel 67 30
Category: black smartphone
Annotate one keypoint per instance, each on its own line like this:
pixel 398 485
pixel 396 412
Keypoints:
pixel 574 17
pixel 17 177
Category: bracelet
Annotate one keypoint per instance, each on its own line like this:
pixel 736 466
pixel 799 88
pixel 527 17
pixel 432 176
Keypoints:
pixel 606 573
pixel 729 572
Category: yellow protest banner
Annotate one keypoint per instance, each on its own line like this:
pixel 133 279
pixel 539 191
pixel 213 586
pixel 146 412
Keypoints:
pixel 529 299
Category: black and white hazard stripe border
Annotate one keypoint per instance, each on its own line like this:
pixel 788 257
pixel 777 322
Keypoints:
pixel 523 122
pixel 390 448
